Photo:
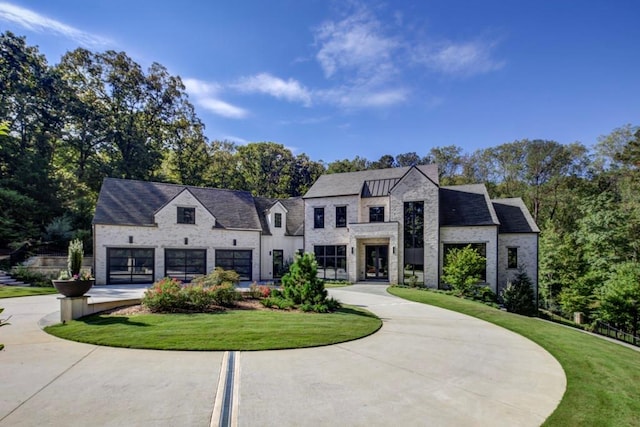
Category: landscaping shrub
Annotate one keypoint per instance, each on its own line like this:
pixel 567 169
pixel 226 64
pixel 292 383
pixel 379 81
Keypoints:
pixel 169 296
pixel 259 291
pixel 164 296
pixel 225 295
pixel 217 277
pixel 34 278
pixel 518 296
pixel 277 301
pixel 462 270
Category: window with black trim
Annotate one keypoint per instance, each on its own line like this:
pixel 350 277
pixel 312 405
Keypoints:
pixel 277 220
pixel 186 215
pixel 332 261
pixel 376 214
pixel 512 257
pixel 318 217
pixel 341 216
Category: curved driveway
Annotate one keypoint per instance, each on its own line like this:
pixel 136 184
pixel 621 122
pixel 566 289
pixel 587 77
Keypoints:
pixel 426 366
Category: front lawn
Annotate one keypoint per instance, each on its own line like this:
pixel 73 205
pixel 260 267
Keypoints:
pixel 228 330
pixel 603 378
pixel 20 291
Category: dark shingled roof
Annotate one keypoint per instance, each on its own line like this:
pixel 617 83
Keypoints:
pixel 466 205
pixel 352 183
pixel 514 216
pixel 130 202
pixel 295 214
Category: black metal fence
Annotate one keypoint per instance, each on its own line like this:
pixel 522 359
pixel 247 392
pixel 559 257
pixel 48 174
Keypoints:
pixel 607 330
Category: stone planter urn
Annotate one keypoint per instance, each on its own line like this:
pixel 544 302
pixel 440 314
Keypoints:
pixel 73 288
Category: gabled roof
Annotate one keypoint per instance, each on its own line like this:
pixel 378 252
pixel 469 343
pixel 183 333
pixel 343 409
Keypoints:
pixel 466 205
pixel 130 202
pixel 514 216
pixel 295 214
pixel 353 183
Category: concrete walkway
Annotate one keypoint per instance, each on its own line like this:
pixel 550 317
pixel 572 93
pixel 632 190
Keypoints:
pixel 426 366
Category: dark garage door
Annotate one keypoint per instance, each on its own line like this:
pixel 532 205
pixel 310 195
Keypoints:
pixel 238 261
pixel 185 264
pixel 126 265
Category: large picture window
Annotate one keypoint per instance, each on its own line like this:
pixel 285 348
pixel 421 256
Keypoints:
pixel 414 242
pixel 318 217
pixel 481 248
pixel 185 264
pixel 126 265
pixel 240 261
pixel 332 262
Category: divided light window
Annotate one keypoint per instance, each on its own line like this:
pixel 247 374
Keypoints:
pixel 341 216
pixel 332 261
pixel 512 257
pixel 277 219
pixel 318 217
pixel 376 214
pixel 186 215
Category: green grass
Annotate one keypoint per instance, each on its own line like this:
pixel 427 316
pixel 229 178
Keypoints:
pixel 229 330
pixel 340 284
pixel 20 291
pixel 603 378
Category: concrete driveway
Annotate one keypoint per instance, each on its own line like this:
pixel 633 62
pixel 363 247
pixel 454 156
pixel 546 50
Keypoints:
pixel 426 366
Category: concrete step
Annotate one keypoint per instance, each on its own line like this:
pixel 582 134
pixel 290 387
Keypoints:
pixel 7 280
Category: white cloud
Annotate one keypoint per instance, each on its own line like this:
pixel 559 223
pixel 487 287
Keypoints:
pixel 356 43
pixel 205 94
pixel 364 97
pixel 291 89
pixel 460 59
pixel 35 22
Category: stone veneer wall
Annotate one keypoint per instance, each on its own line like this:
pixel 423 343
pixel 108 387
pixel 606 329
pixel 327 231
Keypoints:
pixel 527 244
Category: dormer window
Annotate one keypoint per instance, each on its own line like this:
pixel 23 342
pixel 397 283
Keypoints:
pixel 186 215
pixel 277 220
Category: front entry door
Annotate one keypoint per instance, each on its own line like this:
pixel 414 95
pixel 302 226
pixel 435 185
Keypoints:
pixel 377 262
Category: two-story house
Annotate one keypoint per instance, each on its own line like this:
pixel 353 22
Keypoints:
pixel 392 225
pixel 396 225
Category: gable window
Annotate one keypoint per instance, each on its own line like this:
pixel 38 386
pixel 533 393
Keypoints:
pixel 186 215
pixel 318 217
pixel 277 220
pixel 414 242
pixel 341 216
pixel 376 214
pixel 512 257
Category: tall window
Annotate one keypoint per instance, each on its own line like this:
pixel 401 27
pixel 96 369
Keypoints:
pixel 332 261
pixel 414 242
pixel 277 219
pixel 186 215
pixel 318 218
pixel 376 214
pixel 512 257
pixel 341 216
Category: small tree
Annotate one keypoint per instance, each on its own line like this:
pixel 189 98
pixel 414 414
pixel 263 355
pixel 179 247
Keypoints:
pixel 463 270
pixel 302 286
pixel 518 297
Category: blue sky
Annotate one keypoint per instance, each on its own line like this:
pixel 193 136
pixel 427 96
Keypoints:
pixel 336 79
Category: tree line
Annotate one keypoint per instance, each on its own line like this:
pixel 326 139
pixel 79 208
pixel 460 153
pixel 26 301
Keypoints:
pixel 93 115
